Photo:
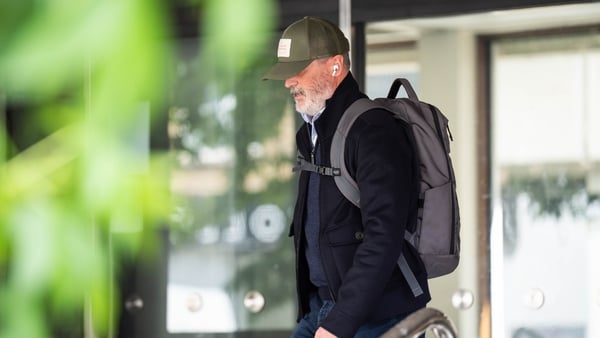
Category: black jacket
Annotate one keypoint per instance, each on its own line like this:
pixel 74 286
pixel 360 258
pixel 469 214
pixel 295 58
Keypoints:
pixel 359 247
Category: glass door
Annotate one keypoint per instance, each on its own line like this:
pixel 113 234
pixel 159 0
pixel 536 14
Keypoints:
pixel 230 260
pixel 546 186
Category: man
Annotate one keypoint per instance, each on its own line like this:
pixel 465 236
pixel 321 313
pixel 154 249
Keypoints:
pixel 348 281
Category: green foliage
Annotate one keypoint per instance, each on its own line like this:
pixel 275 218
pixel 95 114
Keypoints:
pixel 85 70
pixel 236 31
pixel 82 69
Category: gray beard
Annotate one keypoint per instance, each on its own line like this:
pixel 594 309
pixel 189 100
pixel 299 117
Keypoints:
pixel 315 97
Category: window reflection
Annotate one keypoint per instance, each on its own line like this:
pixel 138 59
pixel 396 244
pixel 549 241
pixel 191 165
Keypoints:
pixel 546 159
pixel 232 149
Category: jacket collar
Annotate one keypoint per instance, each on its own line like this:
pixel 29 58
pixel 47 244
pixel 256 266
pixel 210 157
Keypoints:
pixel 345 94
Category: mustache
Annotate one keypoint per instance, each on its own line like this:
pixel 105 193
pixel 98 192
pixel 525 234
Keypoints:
pixel 297 91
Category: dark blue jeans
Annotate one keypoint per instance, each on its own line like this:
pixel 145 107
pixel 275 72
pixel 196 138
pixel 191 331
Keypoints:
pixel 319 309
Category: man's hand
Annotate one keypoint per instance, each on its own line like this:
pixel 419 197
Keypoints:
pixel 322 333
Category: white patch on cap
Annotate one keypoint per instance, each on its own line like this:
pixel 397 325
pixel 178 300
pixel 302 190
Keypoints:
pixel 283 50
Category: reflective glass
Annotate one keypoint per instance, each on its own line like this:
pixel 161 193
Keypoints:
pixel 546 186
pixel 230 262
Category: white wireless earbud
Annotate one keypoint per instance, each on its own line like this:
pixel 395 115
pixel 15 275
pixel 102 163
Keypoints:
pixel 335 69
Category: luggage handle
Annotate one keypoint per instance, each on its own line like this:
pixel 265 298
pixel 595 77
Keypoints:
pixel 407 87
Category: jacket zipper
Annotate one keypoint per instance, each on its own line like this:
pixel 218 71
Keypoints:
pixel 313 161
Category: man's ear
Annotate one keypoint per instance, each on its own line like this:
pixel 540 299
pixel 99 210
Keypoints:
pixel 338 60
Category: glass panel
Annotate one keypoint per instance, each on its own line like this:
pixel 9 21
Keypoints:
pixel 546 165
pixel 231 264
pixel 386 63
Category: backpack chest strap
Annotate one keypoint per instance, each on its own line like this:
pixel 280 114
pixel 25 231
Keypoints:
pixel 303 164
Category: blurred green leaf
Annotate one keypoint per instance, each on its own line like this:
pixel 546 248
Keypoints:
pixel 236 33
pixel 83 68
pixel 86 70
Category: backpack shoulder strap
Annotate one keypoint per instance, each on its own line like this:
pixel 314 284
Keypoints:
pixel 344 181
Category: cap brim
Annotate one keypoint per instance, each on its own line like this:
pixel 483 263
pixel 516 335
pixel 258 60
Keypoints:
pixel 285 70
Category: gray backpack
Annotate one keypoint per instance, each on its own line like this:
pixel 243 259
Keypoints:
pixel 437 233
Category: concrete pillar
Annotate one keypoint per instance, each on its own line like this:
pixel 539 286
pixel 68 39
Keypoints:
pixel 447 80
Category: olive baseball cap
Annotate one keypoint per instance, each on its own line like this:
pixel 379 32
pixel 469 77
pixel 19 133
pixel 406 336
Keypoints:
pixel 302 42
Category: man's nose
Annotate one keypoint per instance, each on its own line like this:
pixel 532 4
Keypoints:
pixel 290 82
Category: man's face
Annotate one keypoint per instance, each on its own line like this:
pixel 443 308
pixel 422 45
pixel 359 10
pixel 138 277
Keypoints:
pixel 311 87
